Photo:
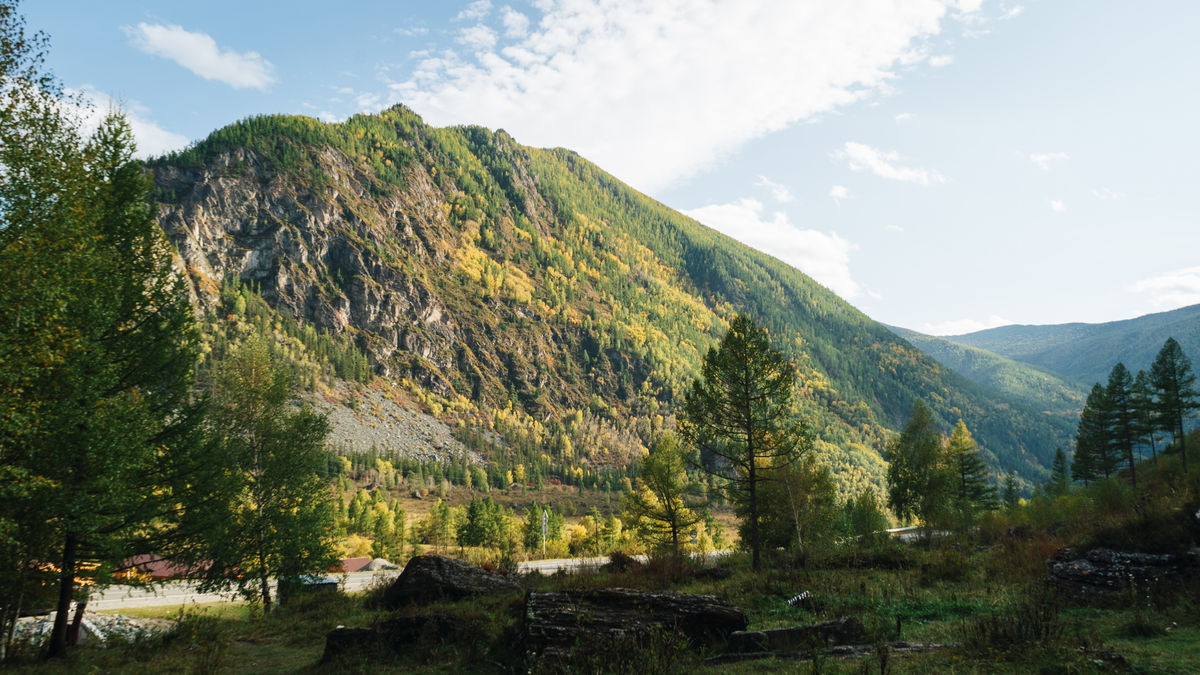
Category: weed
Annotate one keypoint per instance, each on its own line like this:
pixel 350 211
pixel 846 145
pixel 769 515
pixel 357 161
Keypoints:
pixel 1032 621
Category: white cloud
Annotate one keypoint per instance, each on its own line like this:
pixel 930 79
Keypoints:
pixel 839 192
pixel 1107 195
pixel 478 37
pixel 1057 206
pixel 1170 290
pixel 894 228
pixel 941 60
pixel 824 257
pixel 963 326
pixel 412 31
pixel 151 139
pixel 200 54
pixel 655 92
pixel 1012 12
pixel 904 117
pixel 860 157
pixel 779 192
pixel 1044 159
pixel 475 11
pixel 515 23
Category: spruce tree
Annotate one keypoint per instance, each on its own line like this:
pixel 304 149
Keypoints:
pixel 1122 417
pixel 1174 384
pixel 973 488
pixel 1093 438
pixel 1011 496
pixel 1060 480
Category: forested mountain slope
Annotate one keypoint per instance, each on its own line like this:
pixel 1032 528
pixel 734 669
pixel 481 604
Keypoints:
pixel 1086 352
pixel 1023 382
pixel 528 292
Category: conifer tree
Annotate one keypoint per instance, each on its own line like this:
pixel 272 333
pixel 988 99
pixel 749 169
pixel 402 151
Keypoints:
pixel 738 415
pixel 1011 495
pixel 1174 384
pixel 973 488
pixel 1060 479
pixel 1122 417
pixel 1143 403
pixel 1093 438
pixel 659 510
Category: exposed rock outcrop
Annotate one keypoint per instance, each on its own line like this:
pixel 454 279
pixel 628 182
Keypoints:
pixel 1101 570
pixel 428 578
pixel 558 622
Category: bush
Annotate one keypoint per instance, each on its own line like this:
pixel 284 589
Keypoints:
pixel 1033 621
pixel 946 565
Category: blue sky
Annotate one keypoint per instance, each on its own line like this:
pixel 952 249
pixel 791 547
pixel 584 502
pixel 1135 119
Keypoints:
pixel 944 165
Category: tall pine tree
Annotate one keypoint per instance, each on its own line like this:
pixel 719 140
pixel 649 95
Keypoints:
pixel 974 491
pixel 1122 417
pixel 1175 387
pixel 1093 438
pixel 1143 403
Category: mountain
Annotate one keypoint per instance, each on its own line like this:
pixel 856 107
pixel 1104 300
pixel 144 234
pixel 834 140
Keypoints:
pixel 1086 352
pixel 1022 382
pixel 526 295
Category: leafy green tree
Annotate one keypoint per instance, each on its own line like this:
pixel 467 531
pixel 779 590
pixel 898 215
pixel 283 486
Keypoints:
pixel 483 525
pixel 739 415
pixel 274 512
pixel 555 524
pixel 1060 479
pixel 864 517
pixel 973 489
pixel 1174 383
pixel 98 344
pixel 658 508
pixel 1122 417
pixel 921 482
pixel 800 507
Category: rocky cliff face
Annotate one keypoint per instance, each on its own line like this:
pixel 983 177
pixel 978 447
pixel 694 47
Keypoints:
pixel 388 265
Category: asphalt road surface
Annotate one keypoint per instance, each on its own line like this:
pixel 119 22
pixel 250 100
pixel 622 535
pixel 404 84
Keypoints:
pixel 182 593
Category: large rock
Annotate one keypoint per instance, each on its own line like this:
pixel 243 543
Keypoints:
pixel 397 634
pixel 558 622
pixel 428 578
pixel 846 630
pixel 1103 570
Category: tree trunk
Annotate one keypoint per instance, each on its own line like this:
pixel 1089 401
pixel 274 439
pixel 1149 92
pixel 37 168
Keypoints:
pixel 73 631
pixel 66 589
pixel 753 515
pixel 263 579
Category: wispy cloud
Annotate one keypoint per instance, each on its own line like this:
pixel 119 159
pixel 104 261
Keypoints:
pixel 199 53
pixel 904 117
pixel 839 192
pixel 1107 195
pixel 941 60
pixel 964 326
pixel 824 257
pixel 656 92
pixel 779 192
pixel 1044 159
pixel 1170 290
pixel 475 11
pixel 860 157
pixel 1057 206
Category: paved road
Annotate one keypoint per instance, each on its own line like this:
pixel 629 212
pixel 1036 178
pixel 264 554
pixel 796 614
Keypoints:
pixel 181 593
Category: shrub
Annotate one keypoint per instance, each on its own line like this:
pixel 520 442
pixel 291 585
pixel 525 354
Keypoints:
pixel 1032 621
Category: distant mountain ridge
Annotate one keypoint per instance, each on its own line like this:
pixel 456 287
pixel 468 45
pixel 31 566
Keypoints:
pixel 1032 385
pixel 529 293
pixel 1085 353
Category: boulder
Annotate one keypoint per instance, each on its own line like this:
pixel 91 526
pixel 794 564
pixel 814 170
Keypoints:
pixel 846 630
pixel 1102 570
pixel 428 578
pixel 557 622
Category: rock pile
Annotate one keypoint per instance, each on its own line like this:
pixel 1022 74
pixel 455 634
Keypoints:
pixel 1102 570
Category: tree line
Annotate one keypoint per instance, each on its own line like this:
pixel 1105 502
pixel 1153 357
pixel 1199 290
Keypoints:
pixel 1123 418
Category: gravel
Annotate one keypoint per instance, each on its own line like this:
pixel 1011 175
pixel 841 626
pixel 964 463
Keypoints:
pixel 95 629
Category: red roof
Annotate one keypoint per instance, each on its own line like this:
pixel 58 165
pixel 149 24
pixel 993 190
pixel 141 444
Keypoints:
pixel 156 566
pixel 353 564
